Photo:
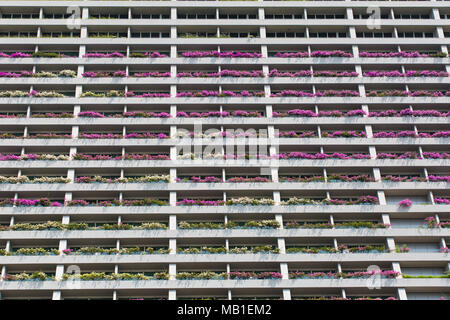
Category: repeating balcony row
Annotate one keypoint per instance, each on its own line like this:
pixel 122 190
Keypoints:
pixel 225 100
pixel 297 210
pixel 380 234
pixel 390 82
pixel 330 39
pixel 310 117
pixel 302 72
pixel 180 186
pixel 335 163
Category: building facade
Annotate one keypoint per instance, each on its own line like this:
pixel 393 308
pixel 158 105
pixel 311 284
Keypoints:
pixel 224 150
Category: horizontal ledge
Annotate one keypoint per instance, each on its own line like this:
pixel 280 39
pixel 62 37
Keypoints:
pixel 225 258
pixel 227 141
pixel 268 186
pixel 234 4
pixel 241 233
pixel 222 61
pixel 254 284
pixel 224 100
pixel 336 163
pixel 226 121
pixel 226 80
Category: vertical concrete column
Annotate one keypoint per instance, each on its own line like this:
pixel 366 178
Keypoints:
pixel 173 90
pixel 335 244
pixel 377 174
pixel 62 246
pixel 173 111
pixel 274 174
pixel 277 198
pixel 3 273
pixel 355 51
pixel 401 293
pixel 281 244
pixel 267 90
pixel 59 272
pixel 173 132
pixel 352 32
pixel 173 246
pixel 264 51
pixel 286 294
pixel 284 270
pixel 173 153
pixel 390 244
pixel 386 219
pixel 172 222
pixel 173 51
pixel 349 13
pixel 269 111
pixel 172 271
pixel 56 295
pixel 362 90
pixel 172 294
pixel 373 152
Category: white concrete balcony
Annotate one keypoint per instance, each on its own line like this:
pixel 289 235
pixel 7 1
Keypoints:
pixel 239 141
pixel 387 81
pixel 364 210
pixel 435 284
pixel 251 259
pixel 225 100
pixel 331 163
pixel 224 61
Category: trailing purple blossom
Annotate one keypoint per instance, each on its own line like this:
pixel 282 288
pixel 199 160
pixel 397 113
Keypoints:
pixel 312 114
pixel 104 55
pixel 390 274
pixel 409 113
pixel 314 54
pixel 344 134
pixel 408 74
pixel 441 201
pixel 82 156
pixel 146 95
pixel 224 93
pixel 402 54
pixel 225 54
pixel 411 134
pixel 404 93
pixel 15 55
pixel 405 203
